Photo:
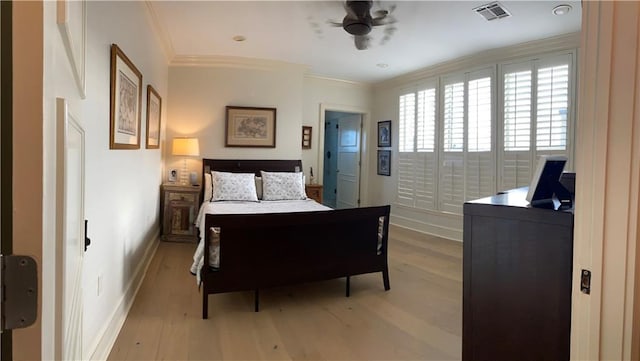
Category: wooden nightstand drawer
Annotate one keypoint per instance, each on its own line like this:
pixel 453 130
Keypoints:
pixel 314 191
pixel 179 209
pixel 184 197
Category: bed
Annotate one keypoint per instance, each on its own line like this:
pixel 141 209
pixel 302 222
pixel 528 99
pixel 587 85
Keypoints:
pixel 249 250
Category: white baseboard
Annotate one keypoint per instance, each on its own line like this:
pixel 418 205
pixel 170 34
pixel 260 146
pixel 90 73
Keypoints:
pixel 451 233
pixel 110 332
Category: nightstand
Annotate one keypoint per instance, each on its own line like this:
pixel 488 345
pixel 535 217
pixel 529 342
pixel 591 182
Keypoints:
pixel 178 211
pixel 314 191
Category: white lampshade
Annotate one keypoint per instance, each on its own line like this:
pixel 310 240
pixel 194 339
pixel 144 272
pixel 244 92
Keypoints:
pixel 186 146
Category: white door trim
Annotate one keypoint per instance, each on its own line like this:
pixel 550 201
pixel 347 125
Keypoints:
pixel 69 347
pixel 364 141
pixel 606 323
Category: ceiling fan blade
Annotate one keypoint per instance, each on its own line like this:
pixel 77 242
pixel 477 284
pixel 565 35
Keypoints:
pixel 334 23
pixel 361 41
pixel 379 21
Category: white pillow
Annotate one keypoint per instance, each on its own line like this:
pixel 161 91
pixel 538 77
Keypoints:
pixel 208 187
pixel 233 187
pixel 282 186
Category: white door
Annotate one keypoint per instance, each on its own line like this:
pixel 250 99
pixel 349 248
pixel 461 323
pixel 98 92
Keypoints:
pixel 70 233
pixel 348 183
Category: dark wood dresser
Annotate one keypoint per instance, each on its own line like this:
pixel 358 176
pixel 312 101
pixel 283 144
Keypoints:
pixel 517 266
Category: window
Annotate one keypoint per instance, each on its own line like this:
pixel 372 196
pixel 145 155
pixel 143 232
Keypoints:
pixel 426 136
pixel 454 117
pixel 407 119
pixel 467 135
pixel 552 101
pixel 517 110
pixel 536 109
pixel 416 159
pixel 479 136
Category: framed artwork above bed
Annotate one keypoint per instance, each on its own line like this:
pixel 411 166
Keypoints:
pixel 250 127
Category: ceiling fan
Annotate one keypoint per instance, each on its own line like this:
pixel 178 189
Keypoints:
pixel 359 22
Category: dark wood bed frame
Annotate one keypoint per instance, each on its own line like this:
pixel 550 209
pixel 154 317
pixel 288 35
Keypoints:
pixel 259 251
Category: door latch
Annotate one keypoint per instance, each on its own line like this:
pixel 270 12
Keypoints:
pixel 19 291
pixel 87 241
pixel 585 281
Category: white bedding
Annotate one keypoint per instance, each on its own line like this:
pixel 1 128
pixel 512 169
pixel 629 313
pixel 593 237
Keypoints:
pixel 239 207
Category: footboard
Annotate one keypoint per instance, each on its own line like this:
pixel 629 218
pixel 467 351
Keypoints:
pixel 266 250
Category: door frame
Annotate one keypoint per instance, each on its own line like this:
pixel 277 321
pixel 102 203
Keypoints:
pixel 64 122
pixel 364 144
pixel 6 149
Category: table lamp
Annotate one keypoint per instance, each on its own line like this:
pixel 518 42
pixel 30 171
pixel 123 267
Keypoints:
pixel 187 147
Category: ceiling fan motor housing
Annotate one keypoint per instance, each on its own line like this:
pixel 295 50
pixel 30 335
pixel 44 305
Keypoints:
pixel 356 26
pixel 360 24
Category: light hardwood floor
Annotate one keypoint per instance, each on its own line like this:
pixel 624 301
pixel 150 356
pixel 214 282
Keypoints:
pixel 420 318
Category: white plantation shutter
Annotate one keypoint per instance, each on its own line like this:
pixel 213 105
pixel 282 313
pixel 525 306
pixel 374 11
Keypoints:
pixel 406 183
pixel 453 117
pixel 406 128
pixel 516 170
pixel 451 185
pixel 517 111
pixel 479 115
pixel 425 161
pixel 479 157
pixel 553 102
pixel 464 136
pixel 417 165
pixel 426 124
pixel 535 116
pixel 516 127
pixel 451 182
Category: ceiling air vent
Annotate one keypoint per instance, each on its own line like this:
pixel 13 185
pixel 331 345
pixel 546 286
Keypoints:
pixel 492 11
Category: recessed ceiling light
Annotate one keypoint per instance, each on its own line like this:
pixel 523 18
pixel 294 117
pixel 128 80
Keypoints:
pixel 382 65
pixel 561 9
pixel 239 38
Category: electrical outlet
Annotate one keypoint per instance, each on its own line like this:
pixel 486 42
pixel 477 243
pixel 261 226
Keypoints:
pixel 99 285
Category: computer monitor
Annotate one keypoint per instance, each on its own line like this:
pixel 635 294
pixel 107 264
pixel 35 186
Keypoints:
pixel 546 182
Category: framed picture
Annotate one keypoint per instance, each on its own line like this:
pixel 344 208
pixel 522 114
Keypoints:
pixel 250 127
pixel 384 133
pixel 154 109
pixel 126 99
pixel 173 175
pixel 384 162
pixel 306 137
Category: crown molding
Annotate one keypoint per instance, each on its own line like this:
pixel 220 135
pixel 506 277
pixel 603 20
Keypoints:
pixel 161 34
pixel 548 45
pixel 219 61
pixel 346 82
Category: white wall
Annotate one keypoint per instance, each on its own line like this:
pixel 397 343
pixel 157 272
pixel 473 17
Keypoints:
pixel 198 96
pixel 122 186
pixel 333 94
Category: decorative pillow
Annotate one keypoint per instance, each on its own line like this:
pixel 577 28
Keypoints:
pixel 259 187
pixel 233 187
pixel 208 187
pixel 282 186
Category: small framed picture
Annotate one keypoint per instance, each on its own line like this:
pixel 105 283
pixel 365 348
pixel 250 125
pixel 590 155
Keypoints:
pixel 154 107
pixel 384 133
pixel 306 137
pixel 173 175
pixel 384 162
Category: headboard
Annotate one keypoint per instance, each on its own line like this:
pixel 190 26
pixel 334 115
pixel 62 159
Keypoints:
pixel 249 166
